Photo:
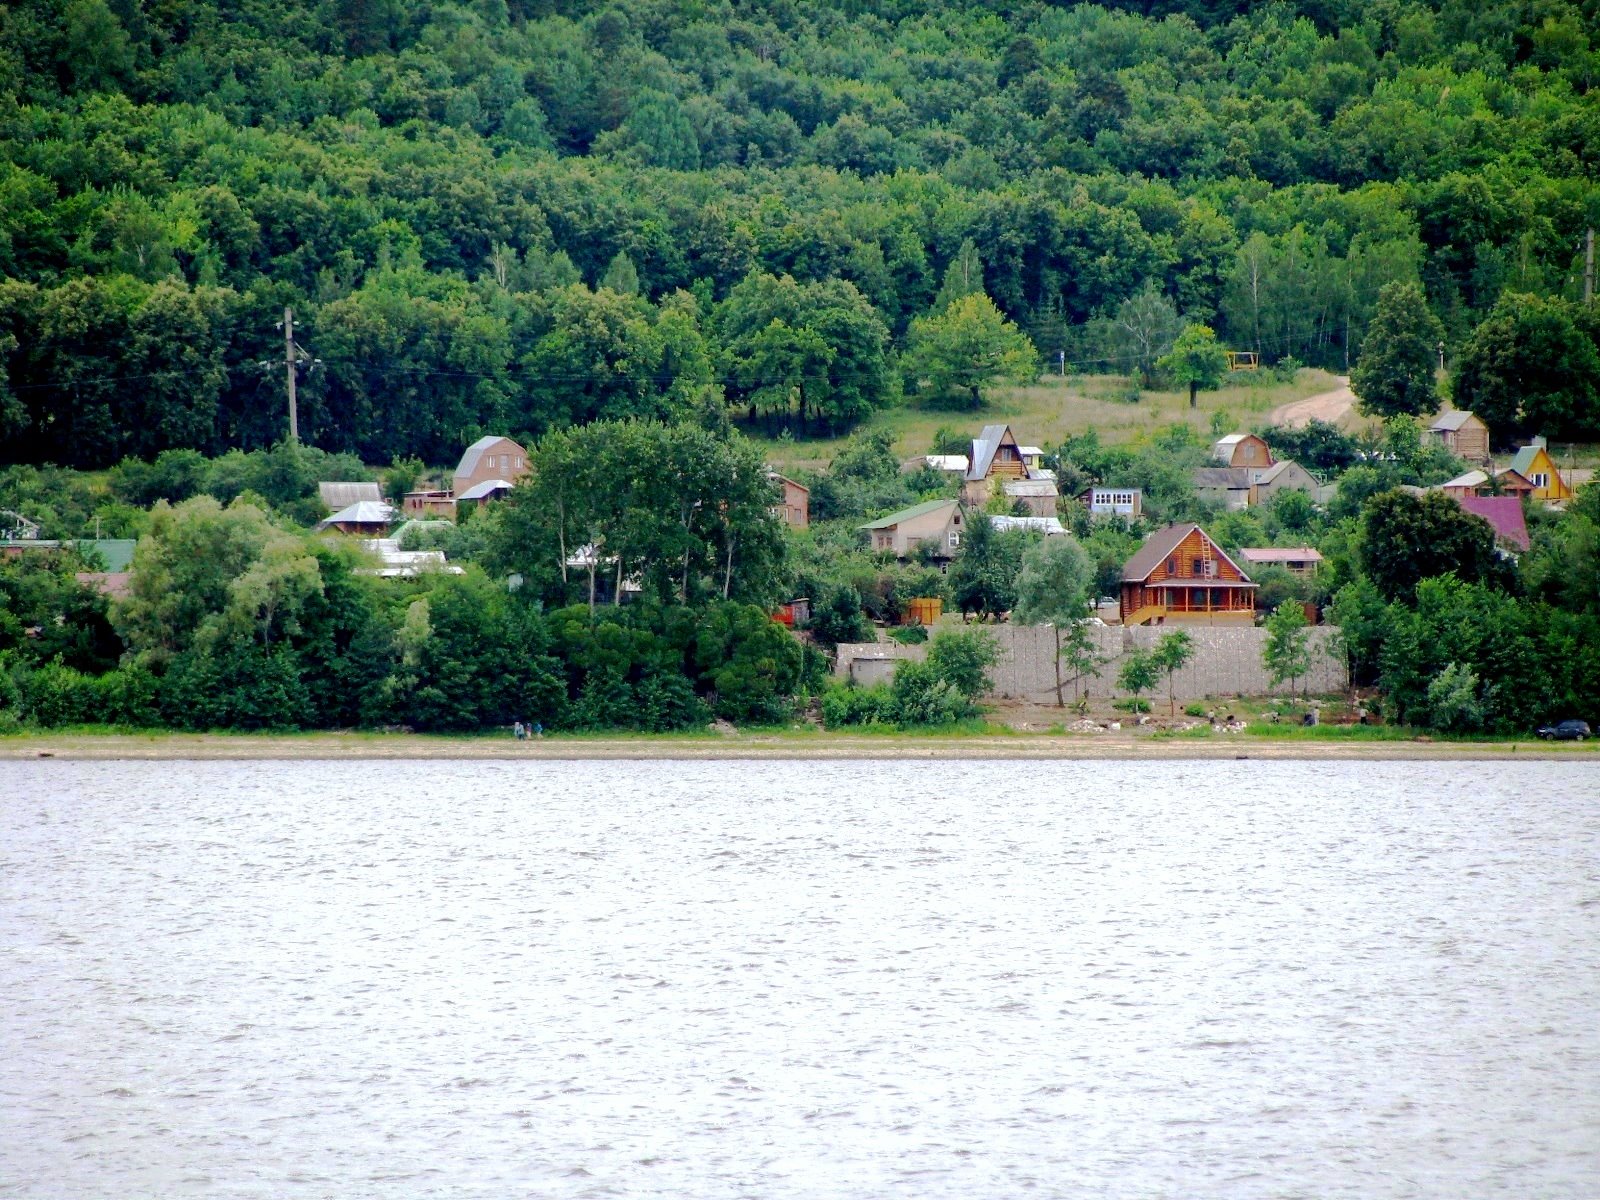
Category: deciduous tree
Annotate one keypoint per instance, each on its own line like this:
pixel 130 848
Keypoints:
pixel 1395 373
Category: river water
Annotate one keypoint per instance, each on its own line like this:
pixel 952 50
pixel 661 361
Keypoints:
pixel 800 979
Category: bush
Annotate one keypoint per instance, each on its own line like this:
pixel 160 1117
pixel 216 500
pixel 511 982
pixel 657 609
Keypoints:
pixel 923 695
pixel 1131 705
pixel 53 695
pixel 909 635
pixel 1196 710
pixel 963 660
pixel 846 704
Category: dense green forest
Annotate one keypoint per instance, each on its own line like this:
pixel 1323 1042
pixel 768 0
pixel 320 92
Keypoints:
pixel 515 216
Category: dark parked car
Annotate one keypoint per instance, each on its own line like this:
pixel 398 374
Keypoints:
pixel 1565 731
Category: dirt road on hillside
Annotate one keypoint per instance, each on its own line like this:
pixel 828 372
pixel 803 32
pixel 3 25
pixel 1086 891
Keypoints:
pixel 1331 407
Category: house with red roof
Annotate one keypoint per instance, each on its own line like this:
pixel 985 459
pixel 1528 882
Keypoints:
pixel 1504 514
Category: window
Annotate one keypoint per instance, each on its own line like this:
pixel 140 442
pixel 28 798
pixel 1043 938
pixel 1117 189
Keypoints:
pixel 1541 479
pixel 1172 565
pixel 1199 567
pixel 955 539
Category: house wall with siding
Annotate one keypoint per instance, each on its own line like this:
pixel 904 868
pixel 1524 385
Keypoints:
pixel 1227 662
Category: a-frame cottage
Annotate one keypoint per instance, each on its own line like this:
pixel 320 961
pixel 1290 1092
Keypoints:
pixel 1180 574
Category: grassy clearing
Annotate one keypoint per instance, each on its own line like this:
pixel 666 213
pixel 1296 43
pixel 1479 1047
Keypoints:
pixel 1055 408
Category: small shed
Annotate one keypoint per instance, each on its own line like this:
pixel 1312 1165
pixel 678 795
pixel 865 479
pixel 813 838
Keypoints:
pixel 872 669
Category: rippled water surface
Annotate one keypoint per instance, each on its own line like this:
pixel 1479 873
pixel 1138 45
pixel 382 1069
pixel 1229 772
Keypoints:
pixel 786 979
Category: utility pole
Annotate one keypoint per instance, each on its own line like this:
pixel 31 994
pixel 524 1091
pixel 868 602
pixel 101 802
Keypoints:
pixel 294 357
pixel 1588 267
pixel 289 364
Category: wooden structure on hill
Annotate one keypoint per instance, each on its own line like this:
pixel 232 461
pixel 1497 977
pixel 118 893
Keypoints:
pixel 1181 575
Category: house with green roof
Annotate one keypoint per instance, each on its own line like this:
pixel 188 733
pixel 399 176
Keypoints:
pixel 935 524
pixel 1533 463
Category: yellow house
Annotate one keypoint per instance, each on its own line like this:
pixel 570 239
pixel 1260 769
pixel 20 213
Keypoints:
pixel 1533 463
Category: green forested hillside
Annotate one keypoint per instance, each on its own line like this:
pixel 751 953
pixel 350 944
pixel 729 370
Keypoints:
pixel 516 216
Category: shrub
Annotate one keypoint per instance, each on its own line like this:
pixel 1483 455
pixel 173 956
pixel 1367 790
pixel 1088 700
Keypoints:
pixel 54 695
pixel 963 658
pixel 846 704
pixel 923 695
pixel 909 635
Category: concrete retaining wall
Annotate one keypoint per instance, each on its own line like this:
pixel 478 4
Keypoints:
pixel 1227 661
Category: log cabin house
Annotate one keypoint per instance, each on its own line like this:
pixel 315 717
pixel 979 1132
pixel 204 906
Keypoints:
pixel 1461 433
pixel 1181 575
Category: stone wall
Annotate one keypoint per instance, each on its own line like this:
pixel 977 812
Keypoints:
pixel 1227 661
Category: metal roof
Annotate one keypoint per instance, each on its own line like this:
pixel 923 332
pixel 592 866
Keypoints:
pixel 482 491
pixel 1504 513
pixel 908 514
pixel 983 448
pixel 1522 462
pixel 366 512
pixel 337 495
pixel 1223 477
pixel 1449 422
pixel 1470 479
pixel 476 451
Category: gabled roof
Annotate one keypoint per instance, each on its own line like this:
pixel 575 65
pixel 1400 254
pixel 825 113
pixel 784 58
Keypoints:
pixel 1522 462
pixel 482 491
pixel 1282 466
pixel 342 495
pixel 476 451
pixel 366 512
pixel 1517 478
pixel 1223 477
pixel 1471 479
pixel 779 478
pixel 1158 547
pixel 1222 449
pixel 983 448
pixel 1449 422
pixel 908 514
pixel 1502 512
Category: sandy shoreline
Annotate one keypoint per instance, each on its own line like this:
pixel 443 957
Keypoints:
pixel 175 747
